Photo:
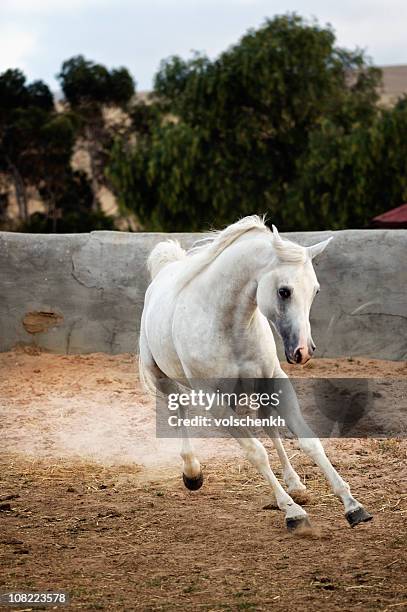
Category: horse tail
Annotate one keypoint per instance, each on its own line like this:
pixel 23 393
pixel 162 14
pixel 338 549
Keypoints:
pixel 147 381
pixel 164 253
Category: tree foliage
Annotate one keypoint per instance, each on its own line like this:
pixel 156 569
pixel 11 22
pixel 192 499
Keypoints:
pixel 36 146
pixel 86 83
pixel 24 113
pixel 347 177
pixel 74 202
pixel 284 122
pixel 89 88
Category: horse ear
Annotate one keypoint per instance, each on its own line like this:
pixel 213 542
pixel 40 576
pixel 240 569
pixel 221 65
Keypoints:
pixel 316 249
pixel 276 235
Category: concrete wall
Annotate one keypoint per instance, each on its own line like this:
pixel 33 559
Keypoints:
pixel 84 292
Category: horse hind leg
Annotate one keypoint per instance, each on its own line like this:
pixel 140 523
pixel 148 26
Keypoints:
pixel 154 379
pixel 191 472
pixel 295 487
pixel 295 516
pixel 192 475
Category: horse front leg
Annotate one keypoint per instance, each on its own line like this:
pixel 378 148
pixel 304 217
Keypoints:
pixel 290 411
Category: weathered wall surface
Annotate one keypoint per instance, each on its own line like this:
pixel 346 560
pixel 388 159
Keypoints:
pixel 84 292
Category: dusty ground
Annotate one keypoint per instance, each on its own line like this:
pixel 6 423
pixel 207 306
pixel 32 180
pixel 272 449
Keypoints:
pixel 90 502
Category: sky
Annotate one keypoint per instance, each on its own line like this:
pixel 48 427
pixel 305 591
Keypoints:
pixel 38 35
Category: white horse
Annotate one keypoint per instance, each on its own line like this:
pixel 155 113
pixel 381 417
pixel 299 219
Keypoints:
pixel 207 314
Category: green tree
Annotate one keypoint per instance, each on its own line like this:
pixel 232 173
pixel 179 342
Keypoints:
pixel 89 88
pixel 72 199
pixel 24 109
pixel 347 177
pixel 231 134
pixel 36 147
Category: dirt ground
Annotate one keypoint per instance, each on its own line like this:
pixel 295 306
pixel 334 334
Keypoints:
pixel 92 503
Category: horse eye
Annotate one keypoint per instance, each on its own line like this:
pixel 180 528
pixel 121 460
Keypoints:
pixel 284 292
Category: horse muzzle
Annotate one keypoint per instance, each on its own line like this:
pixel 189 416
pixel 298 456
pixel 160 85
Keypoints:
pixel 300 355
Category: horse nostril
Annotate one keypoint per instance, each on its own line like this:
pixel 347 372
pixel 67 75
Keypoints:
pixel 298 356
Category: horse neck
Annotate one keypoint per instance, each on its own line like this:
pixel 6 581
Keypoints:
pixel 231 280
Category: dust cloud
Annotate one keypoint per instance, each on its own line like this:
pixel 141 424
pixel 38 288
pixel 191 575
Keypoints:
pixel 93 408
pixel 85 407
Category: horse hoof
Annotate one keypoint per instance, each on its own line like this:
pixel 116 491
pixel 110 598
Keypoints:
pixel 360 515
pixel 193 484
pixel 300 523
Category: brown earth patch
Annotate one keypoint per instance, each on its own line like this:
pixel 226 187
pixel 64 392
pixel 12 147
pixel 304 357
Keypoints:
pixel 82 511
pixel 41 321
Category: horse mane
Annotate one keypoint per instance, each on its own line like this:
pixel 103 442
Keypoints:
pixel 205 250
pixel 211 246
pixel 219 240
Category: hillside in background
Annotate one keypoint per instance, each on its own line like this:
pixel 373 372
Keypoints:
pixel 394 83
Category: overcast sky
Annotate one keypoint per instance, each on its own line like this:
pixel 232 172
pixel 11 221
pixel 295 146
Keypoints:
pixel 37 35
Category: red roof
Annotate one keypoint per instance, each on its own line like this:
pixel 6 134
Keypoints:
pixel 396 218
